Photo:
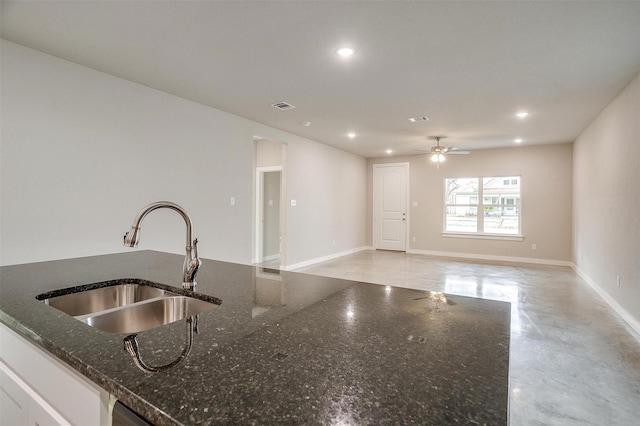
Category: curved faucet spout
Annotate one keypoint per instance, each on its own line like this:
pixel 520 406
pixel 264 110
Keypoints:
pixel 191 261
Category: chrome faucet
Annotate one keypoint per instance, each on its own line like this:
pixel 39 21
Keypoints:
pixel 191 261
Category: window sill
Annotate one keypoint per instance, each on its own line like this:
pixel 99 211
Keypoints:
pixel 483 236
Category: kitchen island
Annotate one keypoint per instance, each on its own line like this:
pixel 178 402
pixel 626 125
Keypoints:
pixel 281 348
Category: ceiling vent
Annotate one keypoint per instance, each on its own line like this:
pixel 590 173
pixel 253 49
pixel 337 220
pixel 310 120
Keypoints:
pixel 283 106
pixel 419 118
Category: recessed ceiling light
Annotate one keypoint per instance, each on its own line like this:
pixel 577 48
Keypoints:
pixel 351 135
pixel 345 52
pixel 419 118
pixel 306 123
pixel 518 140
pixel 522 114
pixel 389 151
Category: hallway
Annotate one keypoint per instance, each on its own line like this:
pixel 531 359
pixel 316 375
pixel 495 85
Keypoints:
pixel 573 360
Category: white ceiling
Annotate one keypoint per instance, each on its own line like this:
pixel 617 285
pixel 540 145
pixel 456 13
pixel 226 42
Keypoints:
pixel 468 66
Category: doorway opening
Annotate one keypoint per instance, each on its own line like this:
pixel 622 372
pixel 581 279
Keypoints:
pixel 269 214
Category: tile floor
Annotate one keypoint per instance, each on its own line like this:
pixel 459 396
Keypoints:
pixel 574 361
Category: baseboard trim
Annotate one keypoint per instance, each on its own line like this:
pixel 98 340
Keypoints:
pixel 323 258
pixel 626 316
pixel 270 258
pixel 496 258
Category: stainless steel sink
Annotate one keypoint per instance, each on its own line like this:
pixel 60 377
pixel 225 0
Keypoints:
pixel 101 299
pixel 127 307
pixel 147 315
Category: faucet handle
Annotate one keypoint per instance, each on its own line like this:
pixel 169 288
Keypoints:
pixel 194 265
pixel 195 249
pixel 192 268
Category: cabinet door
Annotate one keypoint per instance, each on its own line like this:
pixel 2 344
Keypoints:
pixel 22 406
pixel 43 377
pixel 14 401
pixel 44 415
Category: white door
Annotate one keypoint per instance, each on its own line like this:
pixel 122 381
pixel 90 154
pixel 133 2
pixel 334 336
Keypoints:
pixel 390 206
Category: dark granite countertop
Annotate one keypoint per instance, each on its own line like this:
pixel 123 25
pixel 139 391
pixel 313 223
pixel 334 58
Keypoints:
pixel 282 348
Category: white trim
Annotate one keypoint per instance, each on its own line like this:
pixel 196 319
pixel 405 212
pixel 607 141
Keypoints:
pixel 633 322
pixel 324 258
pixel 270 258
pixel 435 253
pixel 483 236
pixel 257 241
pixel 492 257
pixel 405 163
pixel 269 168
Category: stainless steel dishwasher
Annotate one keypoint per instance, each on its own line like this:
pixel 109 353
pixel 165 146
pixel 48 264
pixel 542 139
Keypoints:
pixel 124 416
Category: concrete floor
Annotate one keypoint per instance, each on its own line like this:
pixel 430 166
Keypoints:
pixel 574 361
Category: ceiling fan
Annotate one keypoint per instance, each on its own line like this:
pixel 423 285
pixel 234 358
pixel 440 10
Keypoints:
pixel 438 152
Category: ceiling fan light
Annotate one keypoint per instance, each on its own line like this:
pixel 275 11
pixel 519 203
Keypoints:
pixel 345 52
pixel 437 158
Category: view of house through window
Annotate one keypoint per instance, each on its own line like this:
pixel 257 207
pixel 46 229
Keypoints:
pixel 483 205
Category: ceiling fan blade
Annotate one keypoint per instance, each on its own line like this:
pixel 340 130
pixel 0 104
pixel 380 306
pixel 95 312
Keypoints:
pixel 459 152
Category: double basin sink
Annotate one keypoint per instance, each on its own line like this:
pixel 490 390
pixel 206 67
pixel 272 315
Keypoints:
pixel 127 306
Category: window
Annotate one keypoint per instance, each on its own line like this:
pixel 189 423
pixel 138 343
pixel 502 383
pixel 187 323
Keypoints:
pixel 496 198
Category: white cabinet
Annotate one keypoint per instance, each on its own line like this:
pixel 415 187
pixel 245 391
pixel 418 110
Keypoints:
pixel 21 405
pixel 37 389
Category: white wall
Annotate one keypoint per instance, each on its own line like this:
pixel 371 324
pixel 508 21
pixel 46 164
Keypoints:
pixel 268 153
pixel 83 151
pixel 607 203
pixel 329 188
pixel 546 202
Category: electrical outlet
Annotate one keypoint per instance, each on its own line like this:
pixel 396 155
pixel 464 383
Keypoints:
pixel 233 201
pixel 294 203
pixel 534 246
pixel 413 239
